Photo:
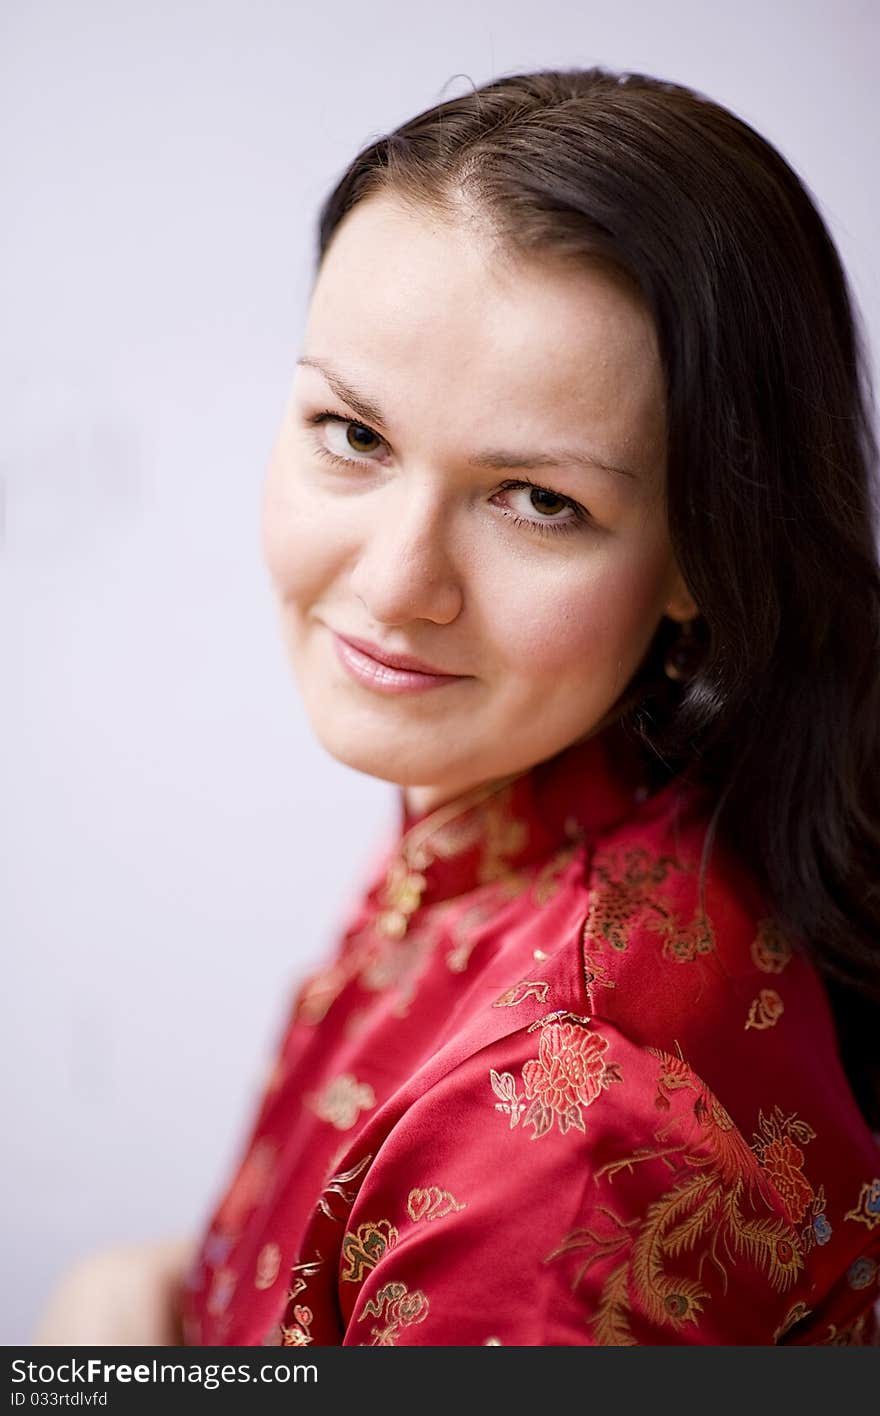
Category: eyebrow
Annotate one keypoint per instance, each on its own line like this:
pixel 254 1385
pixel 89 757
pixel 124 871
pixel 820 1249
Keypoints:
pixel 496 458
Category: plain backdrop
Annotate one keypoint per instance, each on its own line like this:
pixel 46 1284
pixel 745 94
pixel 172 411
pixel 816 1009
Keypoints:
pixel 176 847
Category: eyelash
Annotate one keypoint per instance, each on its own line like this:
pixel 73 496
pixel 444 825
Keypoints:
pixel 543 528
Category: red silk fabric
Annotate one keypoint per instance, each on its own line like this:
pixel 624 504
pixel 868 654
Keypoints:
pixel 545 1094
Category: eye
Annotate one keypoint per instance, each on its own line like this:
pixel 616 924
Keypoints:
pixel 351 437
pixel 554 513
pixel 348 437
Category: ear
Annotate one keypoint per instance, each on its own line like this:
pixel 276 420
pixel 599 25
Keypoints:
pixel 680 604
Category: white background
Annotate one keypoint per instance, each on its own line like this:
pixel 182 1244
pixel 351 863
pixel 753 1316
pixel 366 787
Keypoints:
pixel 176 847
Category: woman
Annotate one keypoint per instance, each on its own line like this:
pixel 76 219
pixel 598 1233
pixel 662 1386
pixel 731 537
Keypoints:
pixel 570 522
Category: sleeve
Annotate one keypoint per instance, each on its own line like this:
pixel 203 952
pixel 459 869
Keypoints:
pixel 565 1186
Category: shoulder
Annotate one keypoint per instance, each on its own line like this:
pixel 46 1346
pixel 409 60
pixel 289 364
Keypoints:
pixel 567 1186
pixel 683 949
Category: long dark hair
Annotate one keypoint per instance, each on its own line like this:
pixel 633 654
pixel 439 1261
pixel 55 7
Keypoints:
pixel 771 463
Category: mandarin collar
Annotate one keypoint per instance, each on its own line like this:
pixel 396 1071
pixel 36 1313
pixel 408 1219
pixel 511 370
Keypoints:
pixel 496 830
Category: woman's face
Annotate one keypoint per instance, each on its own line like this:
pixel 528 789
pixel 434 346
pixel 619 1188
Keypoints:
pixel 467 378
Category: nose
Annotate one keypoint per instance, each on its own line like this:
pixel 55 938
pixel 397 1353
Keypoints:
pixel 405 569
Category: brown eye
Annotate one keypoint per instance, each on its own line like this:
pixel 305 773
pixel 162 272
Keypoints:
pixel 546 501
pixel 350 435
pixel 357 435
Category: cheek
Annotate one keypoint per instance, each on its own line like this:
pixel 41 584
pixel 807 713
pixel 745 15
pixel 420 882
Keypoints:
pixel 585 620
pixel 299 552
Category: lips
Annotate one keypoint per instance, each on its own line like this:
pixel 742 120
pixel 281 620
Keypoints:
pixel 396 661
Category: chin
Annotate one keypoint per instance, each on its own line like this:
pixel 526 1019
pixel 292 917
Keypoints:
pixel 384 757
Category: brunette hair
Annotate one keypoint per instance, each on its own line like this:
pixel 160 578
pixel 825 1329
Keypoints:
pixel 771 490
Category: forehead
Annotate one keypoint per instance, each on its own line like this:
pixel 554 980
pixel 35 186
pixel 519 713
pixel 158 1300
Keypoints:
pixel 422 309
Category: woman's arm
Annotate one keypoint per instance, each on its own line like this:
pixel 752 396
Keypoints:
pixel 125 1296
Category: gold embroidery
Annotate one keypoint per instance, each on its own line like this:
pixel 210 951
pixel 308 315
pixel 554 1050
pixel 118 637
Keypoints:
pixel 298 1334
pixel 481 816
pixel 342 1100
pixel 382 963
pixel 853 1335
pixel 400 964
pixel 504 837
pixel 399 1308
pixel 319 991
pixel 339 1185
pixel 268 1264
pixel 795 1314
pixel 300 1274
pixel 403 892
pixel 504 1087
pixel 596 971
pixel 547 883
pixel 707 1208
pixel 776 1146
pixel 625 896
pixel 612 1329
pixel 569 1073
pixel 770 947
pixel 363 1250
pixel 519 992
pixel 765 1010
pixel 867 1207
pixel 464 932
pixel 432 1203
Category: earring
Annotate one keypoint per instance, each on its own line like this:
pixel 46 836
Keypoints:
pixel 684 654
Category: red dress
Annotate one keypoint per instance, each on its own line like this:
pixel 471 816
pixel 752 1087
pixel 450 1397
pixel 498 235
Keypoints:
pixel 545 1095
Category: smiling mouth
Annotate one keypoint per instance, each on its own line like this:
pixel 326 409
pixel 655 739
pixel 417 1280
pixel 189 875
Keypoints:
pixel 386 678
pixel 396 660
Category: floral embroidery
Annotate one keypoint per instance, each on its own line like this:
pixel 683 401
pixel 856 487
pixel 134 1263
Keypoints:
pixel 568 1074
pixel 399 1308
pixel 342 1100
pixel 765 1010
pixel 268 1264
pixel 861 1273
pixel 867 1208
pixel 707 1207
pixel 402 896
pixel 770 947
pixel 783 1161
pixel 778 1146
pixel 363 1250
pixel 821 1229
pixel 519 992
pixel 432 1203
pixel 297 1334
